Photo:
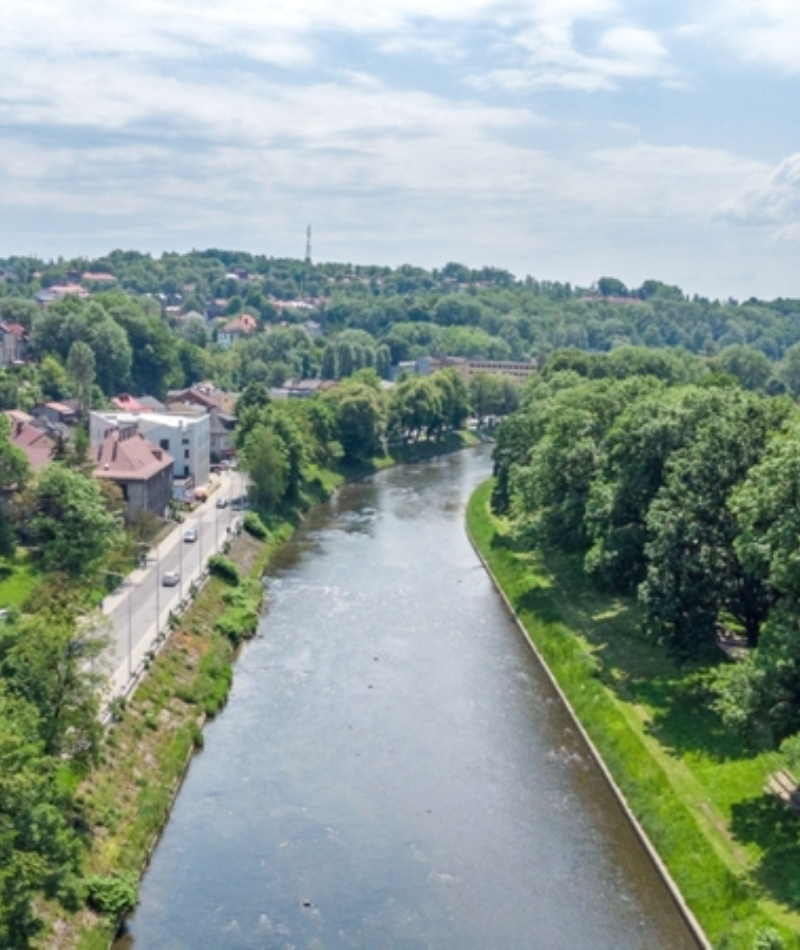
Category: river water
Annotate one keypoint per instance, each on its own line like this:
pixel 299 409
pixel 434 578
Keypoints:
pixel 393 769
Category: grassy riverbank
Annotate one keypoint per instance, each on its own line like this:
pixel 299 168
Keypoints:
pixel 125 801
pixel 733 851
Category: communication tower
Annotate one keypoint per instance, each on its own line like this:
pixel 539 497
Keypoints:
pixel 308 244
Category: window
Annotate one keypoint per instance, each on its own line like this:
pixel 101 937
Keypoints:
pixel 186 453
pixel 164 443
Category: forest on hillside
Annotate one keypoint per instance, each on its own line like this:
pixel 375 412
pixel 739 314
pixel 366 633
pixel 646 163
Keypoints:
pixel 156 320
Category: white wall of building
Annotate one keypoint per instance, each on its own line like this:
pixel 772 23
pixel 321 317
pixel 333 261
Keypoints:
pixel 186 437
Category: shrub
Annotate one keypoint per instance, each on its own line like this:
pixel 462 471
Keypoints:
pixel 114 895
pixel 255 526
pixel 223 567
pixel 768 939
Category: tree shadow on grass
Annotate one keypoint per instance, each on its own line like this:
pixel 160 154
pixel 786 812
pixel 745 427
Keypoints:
pixel 503 541
pixel 767 822
pixel 538 602
pixel 682 721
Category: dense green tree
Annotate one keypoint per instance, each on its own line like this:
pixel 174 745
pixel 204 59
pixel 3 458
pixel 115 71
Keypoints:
pixel 81 372
pixel 695 576
pixel 415 406
pixel 632 472
pixel 39 853
pixel 486 395
pixel 265 459
pixel 750 366
pixel 46 659
pixel 454 397
pixel 14 468
pixel 789 370
pixel 53 378
pixel 72 528
pixel 361 419
pixel 155 364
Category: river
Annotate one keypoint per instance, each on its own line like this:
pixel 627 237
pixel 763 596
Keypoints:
pixel 393 769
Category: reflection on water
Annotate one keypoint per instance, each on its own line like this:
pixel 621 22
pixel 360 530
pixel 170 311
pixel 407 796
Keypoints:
pixel 392 769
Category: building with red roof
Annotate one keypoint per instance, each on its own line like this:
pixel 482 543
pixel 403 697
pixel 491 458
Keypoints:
pixel 143 471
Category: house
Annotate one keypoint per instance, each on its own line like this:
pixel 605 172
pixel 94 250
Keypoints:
pixel 219 405
pixel 127 403
pixel 302 388
pixel 13 343
pixel 37 442
pixel 183 435
pixel 235 329
pixel 63 412
pixel 142 471
pixel 57 291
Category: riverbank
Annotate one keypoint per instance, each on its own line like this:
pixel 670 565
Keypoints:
pixel 125 802
pixel 732 850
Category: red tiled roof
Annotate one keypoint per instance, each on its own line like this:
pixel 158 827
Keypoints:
pixel 127 456
pixel 128 403
pixel 245 323
pixel 35 443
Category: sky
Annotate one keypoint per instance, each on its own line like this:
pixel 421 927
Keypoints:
pixel 563 139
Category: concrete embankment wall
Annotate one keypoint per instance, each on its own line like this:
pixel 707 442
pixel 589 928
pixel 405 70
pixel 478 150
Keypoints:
pixel 680 903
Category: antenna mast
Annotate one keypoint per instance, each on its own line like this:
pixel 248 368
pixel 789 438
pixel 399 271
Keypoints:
pixel 308 244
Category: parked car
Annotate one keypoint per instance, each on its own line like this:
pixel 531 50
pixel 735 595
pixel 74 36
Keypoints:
pixel 170 579
pixel 190 534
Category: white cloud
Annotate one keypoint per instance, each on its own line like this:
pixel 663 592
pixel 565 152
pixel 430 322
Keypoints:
pixel 769 198
pixel 551 57
pixel 758 31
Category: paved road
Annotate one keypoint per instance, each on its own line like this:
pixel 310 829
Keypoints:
pixel 139 609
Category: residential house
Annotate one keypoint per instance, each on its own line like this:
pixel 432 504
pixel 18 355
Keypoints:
pixel 65 413
pixel 219 405
pixel 13 343
pixel 127 403
pixel 57 291
pixel 37 442
pixel 183 435
pixel 302 388
pixel 235 329
pixel 142 471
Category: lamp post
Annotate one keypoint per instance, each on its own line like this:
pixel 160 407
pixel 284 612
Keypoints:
pixel 158 590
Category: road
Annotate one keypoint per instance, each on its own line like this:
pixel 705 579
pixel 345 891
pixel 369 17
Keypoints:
pixel 139 609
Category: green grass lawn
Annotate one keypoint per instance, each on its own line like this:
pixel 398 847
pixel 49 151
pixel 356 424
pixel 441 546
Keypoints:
pixel 18 579
pixel 698 790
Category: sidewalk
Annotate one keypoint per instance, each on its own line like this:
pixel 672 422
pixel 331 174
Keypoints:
pixel 143 594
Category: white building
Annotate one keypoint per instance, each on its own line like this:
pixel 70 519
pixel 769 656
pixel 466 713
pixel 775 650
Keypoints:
pixel 186 436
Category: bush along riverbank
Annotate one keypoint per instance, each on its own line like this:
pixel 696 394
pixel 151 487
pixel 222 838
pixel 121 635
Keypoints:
pixel 124 802
pixel 732 849
pixel 122 805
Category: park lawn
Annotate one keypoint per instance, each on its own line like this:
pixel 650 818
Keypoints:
pixel 698 790
pixel 18 579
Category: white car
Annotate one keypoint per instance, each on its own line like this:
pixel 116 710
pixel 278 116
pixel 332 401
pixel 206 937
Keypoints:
pixel 190 534
pixel 170 579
